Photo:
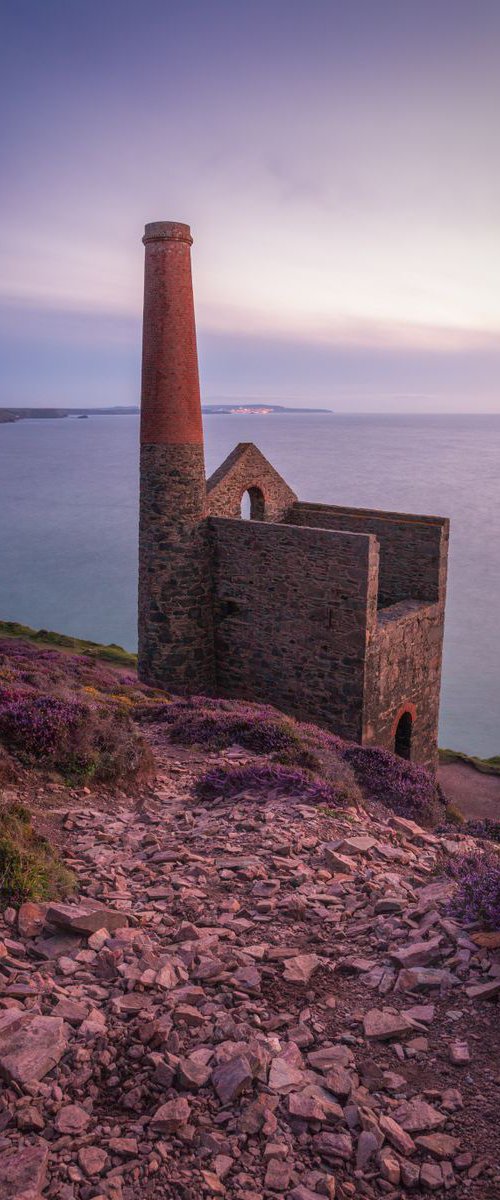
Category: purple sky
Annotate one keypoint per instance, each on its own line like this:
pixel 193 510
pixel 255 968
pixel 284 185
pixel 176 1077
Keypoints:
pixel 338 164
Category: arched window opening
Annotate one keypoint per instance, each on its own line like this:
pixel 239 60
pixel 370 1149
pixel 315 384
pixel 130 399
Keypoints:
pixel 252 505
pixel 402 740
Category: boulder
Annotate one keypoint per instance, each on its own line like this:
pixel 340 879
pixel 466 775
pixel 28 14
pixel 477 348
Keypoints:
pixel 86 917
pixel 30 1045
pixel 418 954
pixel 23 1171
pixel 380 1025
pixel 300 969
pixel 416 1116
pixel 171 1116
pixel 72 1119
pixel 31 919
pixel 232 1078
pixel 92 1160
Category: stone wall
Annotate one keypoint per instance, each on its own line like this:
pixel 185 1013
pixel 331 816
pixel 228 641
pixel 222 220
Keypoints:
pixel 403 673
pixel 413 549
pixel 175 603
pixel 246 470
pixel 292 612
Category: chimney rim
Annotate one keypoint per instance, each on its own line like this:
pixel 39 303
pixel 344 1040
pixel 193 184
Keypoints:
pixel 167 231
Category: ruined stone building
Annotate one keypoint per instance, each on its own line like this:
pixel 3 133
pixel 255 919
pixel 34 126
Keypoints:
pixel 332 614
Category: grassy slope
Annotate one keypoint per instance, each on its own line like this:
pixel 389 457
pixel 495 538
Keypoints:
pixel 45 637
pixel 119 656
pixel 488 766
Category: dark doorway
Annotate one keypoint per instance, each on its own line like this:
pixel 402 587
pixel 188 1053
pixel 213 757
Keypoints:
pixel 252 505
pixel 402 741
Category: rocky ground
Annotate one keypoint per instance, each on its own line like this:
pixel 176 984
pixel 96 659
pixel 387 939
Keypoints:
pixel 245 1001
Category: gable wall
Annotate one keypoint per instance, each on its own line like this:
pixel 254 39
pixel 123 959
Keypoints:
pixel 247 468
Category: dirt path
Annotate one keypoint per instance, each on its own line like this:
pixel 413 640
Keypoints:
pixel 288 1010
pixel 472 792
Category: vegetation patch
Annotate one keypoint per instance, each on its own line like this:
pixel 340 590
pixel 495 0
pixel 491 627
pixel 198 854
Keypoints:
pixel 65 713
pixel 485 828
pixel 29 867
pixel 262 780
pixel 82 742
pixel 47 637
pixel 407 789
pixel 477 897
pixel 29 668
pixel 350 770
pixel 216 724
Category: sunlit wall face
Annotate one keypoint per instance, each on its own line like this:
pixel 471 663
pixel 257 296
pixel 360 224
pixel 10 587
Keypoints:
pixel 337 165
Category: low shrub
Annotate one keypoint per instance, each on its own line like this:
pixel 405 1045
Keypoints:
pixel 478 893
pixel 81 741
pixel 27 667
pixel 453 816
pixel 216 724
pixel 485 828
pixel 407 789
pixel 260 779
pixel 29 868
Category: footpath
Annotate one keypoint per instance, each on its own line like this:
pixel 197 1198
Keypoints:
pixel 246 1001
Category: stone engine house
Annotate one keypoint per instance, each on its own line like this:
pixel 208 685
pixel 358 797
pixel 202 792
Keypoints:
pixel 332 614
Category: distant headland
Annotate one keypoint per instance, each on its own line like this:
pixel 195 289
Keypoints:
pixel 8 415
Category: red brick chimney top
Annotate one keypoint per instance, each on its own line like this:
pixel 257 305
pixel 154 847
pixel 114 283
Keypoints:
pixel 170 397
pixel 173 231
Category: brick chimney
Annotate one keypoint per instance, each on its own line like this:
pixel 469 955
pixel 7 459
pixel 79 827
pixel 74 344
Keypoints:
pixel 175 615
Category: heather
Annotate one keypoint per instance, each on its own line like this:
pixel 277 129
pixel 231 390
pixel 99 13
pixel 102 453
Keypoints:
pixel 261 780
pixel 80 741
pixel 487 829
pixel 477 898
pixel 26 667
pixel 30 869
pixel 63 713
pixel 405 788
pixel 47 637
pixel 216 724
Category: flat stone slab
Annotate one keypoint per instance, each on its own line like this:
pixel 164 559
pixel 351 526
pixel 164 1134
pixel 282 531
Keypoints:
pixel 418 954
pixel 23 1172
pixel 30 1046
pixel 417 1116
pixel 361 844
pixel 85 918
pixel 300 969
pixel 382 1026
pixel 484 991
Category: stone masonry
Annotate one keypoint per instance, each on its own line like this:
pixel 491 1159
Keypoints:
pixel 333 614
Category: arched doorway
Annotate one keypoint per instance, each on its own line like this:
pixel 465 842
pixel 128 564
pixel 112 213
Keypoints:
pixel 402 740
pixel 252 504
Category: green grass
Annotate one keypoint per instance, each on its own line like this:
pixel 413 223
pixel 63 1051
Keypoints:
pixel 488 766
pixel 45 637
pixel 29 867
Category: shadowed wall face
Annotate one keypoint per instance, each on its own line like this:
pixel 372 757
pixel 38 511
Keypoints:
pixel 293 609
pixel 175 626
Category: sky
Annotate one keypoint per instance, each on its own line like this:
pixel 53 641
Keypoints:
pixel 337 162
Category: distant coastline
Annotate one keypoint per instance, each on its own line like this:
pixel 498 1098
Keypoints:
pixel 9 415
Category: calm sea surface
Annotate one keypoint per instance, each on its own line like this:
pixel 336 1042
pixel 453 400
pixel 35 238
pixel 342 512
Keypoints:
pixel 68 524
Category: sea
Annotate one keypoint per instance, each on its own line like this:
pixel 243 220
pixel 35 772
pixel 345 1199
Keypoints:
pixel 68 524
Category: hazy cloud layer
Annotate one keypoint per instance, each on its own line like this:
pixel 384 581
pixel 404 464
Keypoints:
pixel 338 166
